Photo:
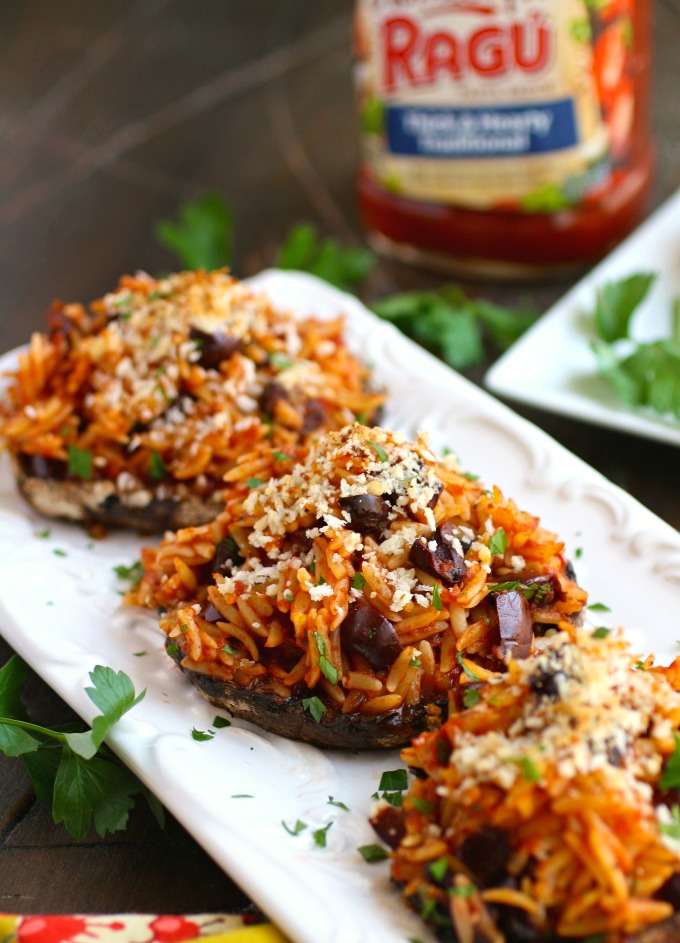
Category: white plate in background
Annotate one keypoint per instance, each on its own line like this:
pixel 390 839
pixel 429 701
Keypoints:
pixel 63 615
pixel 552 366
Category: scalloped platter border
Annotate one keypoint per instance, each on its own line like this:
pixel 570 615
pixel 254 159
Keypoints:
pixel 60 609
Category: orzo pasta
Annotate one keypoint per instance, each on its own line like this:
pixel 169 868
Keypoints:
pixel 131 411
pixel 549 810
pixel 354 592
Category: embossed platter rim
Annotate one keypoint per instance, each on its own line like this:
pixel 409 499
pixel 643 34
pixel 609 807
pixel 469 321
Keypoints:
pixel 63 615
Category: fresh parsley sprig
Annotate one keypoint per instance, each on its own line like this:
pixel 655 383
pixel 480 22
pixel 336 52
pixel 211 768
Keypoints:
pixel 203 235
pixel 452 325
pixel 640 373
pixel 72 771
pixel 342 266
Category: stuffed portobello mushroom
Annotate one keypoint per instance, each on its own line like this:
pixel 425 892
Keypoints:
pixel 129 412
pixel 548 810
pixel 343 601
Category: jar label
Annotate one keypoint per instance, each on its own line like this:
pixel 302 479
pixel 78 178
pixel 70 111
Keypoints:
pixel 494 104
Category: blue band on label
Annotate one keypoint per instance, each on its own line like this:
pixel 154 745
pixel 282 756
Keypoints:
pixel 481 132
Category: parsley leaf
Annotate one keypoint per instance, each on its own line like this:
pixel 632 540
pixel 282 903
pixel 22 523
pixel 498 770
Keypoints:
pixel 254 482
pixel 672 828
pixel 670 777
pixel 471 696
pixel 134 572
pixel 320 835
pixel 315 706
pixel 202 238
pixel 499 542
pixel 79 463
pixel 296 829
pixel 220 722
pixel 372 853
pixel 342 266
pixel 615 303
pixel 202 735
pixel 157 468
pixel 640 373
pixel 439 868
pixel 379 451
pixel 282 457
pixel 436 599
pixel 336 802
pixel 461 662
pixel 72 771
pixel 358 581
pixel 598 607
pixel 452 325
pixel 328 669
pixel 529 769
pixel 422 805
pixel 601 632
pixel 394 779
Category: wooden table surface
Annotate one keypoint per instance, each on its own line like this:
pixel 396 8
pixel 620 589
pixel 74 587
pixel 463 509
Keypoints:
pixel 110 115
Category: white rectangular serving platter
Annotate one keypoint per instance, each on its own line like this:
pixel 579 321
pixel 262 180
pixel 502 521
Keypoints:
pixel 552 366
pixel 63 614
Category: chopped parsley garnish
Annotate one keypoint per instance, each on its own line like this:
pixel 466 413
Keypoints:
pixel 133 573
pixel 461 662
pixel 672 828
pixel 157 468
pixel 220 722
pixel 362 418
pixel 282 457
pixel 79 463
pixel 470 476
pixel 578 553
pixel 462 890
pixel 358 581
pixel 414 663
pixel 202 735
pixel 172 649
pixel 372 853
pixel 436 599
pixel 336 802
pixel 422 805
pixel 296 829
pixel 42 534
pixel 59 553
pixel 328 669
pixel 228 649
pixel 499 542
pixel 139 654
pixel 312 567
pixel 439 868
pixel 393 779
pixel 670 777
pixel 254 482
pixel 379 451
pixel 504 587
pixel 288 597
pixel 282 361
pixel 529 769
pixel 320 835
pixel 471 697
pixel 601 632
pixel 598 607
pixel 394 798
pixel 315 706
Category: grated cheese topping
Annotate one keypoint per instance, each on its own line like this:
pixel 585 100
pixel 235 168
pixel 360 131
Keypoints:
pixel 583 708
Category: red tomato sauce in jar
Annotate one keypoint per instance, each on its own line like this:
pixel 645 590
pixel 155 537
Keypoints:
pixel 507 138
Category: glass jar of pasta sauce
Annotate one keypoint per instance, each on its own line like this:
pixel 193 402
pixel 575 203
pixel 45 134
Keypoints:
pixel 506 138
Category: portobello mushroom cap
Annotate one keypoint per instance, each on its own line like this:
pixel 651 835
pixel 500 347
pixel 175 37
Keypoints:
pixel 100 502
pixel 288 718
